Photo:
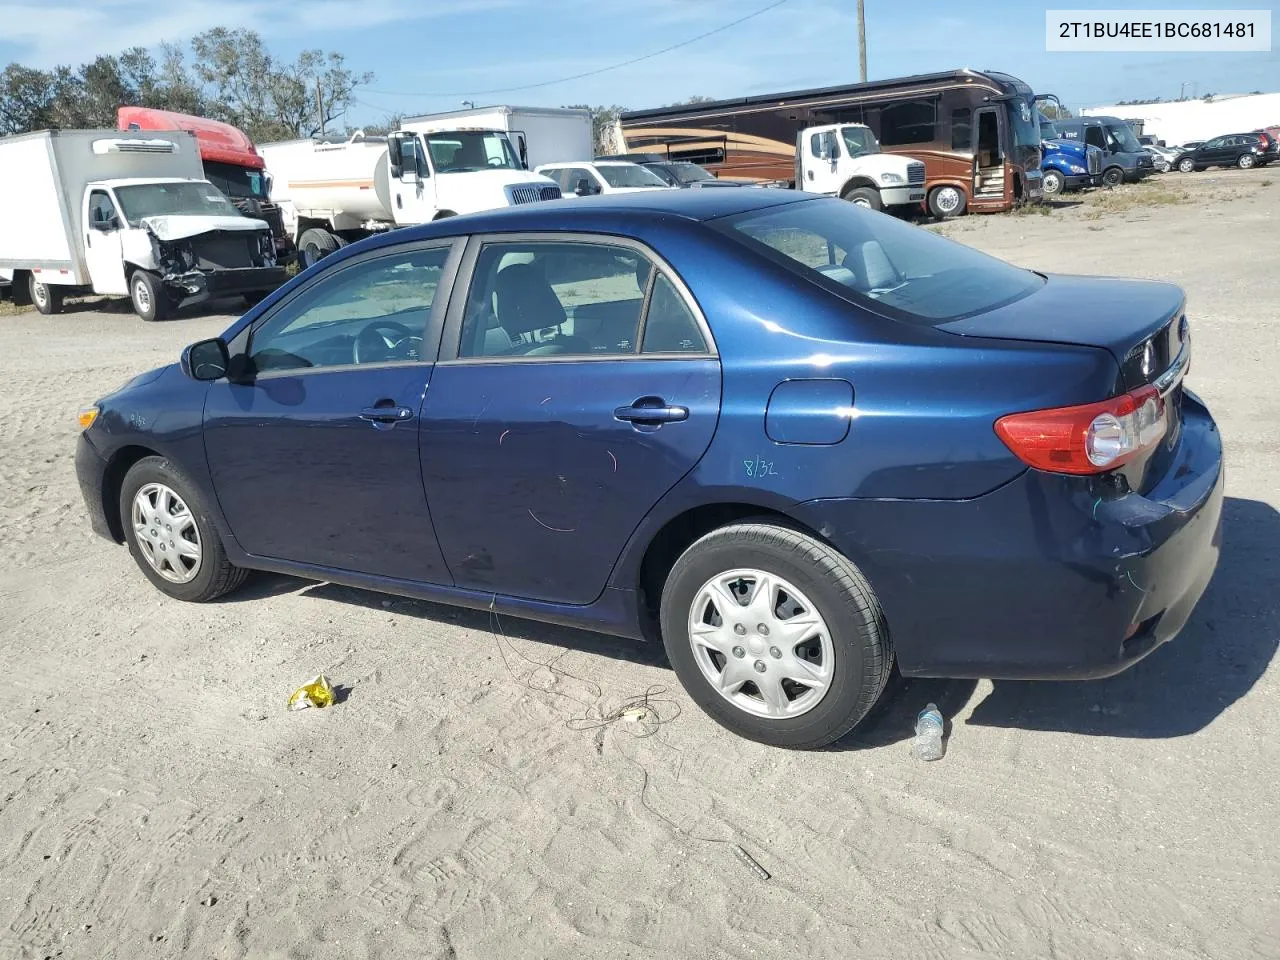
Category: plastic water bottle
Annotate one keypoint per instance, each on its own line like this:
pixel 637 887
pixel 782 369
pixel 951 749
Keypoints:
pixel 928 742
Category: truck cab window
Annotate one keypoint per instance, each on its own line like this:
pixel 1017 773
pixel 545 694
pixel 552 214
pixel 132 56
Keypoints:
pixel 1093 137
pixel 101 209
pixel 859 141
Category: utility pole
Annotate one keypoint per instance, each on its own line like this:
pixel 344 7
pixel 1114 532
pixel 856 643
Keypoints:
pixel 320 105
pixel 862 42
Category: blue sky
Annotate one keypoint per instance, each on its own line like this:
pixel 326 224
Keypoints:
pixel 432 55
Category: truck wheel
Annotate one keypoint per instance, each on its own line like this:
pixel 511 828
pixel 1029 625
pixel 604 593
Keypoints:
pixel 1112 177
pixel 47 298
pixel 946 202
pixel 1054 183
pixel 868 197
pixel 316 244
pixel 150 299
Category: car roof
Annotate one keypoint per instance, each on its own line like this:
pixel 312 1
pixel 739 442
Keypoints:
pixel 605 212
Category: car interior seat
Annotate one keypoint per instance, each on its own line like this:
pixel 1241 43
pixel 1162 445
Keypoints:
pixel 525 304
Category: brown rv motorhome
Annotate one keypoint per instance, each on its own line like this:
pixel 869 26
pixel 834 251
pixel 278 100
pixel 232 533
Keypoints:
pixel 975 131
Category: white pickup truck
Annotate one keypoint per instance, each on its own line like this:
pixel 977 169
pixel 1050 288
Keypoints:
pixel 333 194
pixel 120 213
pixel 844 160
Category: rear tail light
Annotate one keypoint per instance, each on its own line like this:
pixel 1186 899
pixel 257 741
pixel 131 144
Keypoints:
pixel 1087 439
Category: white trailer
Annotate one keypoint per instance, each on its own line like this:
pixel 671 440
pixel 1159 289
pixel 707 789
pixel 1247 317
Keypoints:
pixel 541 135
pixel 123 213
pixel 331 194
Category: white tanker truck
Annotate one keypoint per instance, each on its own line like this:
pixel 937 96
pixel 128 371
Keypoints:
pixel 331 194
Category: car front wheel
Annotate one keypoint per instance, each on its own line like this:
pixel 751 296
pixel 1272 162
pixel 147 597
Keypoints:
pixel 171 536
pixel 775 635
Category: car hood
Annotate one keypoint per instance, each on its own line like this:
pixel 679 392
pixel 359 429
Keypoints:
pixel 1116 315
pixel 181 226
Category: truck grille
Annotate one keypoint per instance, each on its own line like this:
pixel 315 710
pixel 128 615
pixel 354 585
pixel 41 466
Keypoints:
pixel 532 193
pixel 915 172
pixel 215 251
pixel 1093 159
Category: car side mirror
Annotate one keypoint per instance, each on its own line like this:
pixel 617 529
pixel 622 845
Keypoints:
pixel 206 359
pixel 106 226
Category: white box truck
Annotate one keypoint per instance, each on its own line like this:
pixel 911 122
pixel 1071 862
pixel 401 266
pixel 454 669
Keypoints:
pixel 121 213
pixel 541 135
pixel 331 194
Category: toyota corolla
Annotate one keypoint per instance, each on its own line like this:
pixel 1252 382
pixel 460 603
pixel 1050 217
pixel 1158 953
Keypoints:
pixel 799 441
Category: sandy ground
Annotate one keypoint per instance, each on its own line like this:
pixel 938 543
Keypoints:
pixel 156 800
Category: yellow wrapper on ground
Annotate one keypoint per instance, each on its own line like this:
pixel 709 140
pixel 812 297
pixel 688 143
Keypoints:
pixel 317 693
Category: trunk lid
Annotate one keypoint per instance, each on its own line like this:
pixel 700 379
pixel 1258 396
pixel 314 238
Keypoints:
pixel 1141 323
pixel 1120 316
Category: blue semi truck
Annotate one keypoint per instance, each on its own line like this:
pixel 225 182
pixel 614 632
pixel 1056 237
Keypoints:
pixel 1066 164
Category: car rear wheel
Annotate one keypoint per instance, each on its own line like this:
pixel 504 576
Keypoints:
pixel 775 635
pixel 1246 161
pixel 170 535
pixel 866 197
pixel 1054 183
pixel 946 202
pixel 1186 165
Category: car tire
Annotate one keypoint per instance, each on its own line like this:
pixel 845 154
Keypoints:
pixel 1245 161
pixel 1054 183
pixel 1112 177
pixel 946 202
pixel 150 299
pixel 851 640
pixel 1186 165
pixel 207 575
pixel 866 197
pixel 45 297
pixel 316 244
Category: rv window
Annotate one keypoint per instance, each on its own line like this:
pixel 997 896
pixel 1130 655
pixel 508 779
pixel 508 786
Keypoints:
pixel 702 155
pixel 962 129
pixel 909 122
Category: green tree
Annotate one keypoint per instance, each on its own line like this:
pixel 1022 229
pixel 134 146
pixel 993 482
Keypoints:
pixel 603 120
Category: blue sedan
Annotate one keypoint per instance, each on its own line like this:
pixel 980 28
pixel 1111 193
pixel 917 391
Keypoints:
pixel 802 442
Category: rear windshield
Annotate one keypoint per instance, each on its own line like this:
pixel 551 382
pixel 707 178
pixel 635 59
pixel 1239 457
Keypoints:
pixel 878 261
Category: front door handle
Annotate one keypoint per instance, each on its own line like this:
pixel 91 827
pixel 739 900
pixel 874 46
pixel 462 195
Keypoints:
pixel 386 412
pixel 651 411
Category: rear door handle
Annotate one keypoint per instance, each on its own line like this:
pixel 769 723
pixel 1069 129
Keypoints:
pixel 386 413
pixel 651 410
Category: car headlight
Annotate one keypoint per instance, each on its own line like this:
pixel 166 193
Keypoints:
pixel 892 178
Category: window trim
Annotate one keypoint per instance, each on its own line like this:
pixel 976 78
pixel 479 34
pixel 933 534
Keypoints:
pixel 242 342
pixel 451 341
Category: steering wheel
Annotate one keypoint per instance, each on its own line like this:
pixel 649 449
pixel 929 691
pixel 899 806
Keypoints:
pixel 383 340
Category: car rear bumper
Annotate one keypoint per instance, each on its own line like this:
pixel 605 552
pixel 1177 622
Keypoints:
pixel 91 472
pixel 1048 577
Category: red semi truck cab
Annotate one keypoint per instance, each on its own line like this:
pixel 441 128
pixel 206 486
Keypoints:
pixel 231 163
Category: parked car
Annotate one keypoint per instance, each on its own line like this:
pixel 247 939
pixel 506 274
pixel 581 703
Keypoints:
pixel 802 441
pixel 1162 157
pixel 602 176
pixel 1243 150
pixel 684 174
